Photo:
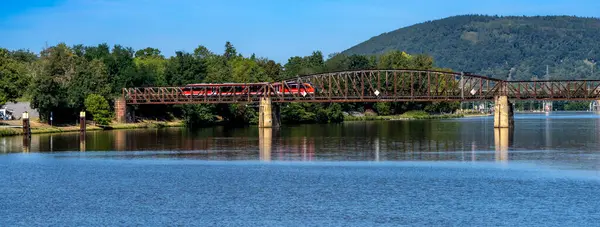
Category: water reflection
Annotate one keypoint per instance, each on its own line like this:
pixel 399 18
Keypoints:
pixel 265 139
pixel 26 144
pixel 468 139
pixel 82 141
pixel 503 139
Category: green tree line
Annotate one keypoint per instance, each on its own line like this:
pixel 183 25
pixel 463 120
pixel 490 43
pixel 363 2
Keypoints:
pixel 66 79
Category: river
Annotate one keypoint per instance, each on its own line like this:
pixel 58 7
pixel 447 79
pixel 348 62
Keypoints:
pixel 545 172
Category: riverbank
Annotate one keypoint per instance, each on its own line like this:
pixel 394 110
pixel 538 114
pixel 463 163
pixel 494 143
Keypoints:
pixel 39 128
pixel 412 115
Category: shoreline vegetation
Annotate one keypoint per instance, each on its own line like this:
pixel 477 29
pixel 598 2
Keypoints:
pixel 42 128
pixel 413 115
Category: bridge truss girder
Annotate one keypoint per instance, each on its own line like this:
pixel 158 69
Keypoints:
pixel 374 86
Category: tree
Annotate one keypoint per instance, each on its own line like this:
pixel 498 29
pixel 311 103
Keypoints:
pixel 13 78
pixel 383 108
pixel 148 52
pixel 24 56
pixel 248 71
pixel 230 51
pixel 184 68
pixel 198 115
pixel 272 69
pixel 297 66
pixel 98 107
pixel 395 60
pixel 297 113
pixel 90 78
pixel 218 69
pixel 359 62
pixel 49 87
pixel 202 52
pixel 121 68
pixel 151 67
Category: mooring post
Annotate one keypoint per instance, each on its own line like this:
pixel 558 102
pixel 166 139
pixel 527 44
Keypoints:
pixel 82 121
pixel 26 131
pixel 26 126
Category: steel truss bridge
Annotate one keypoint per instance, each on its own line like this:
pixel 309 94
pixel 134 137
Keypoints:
pixel 370 86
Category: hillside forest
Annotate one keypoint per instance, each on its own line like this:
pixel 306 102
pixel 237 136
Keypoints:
pixel 513 48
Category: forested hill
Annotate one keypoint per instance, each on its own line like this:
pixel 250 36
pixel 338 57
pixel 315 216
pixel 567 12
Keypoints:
pixel 498 46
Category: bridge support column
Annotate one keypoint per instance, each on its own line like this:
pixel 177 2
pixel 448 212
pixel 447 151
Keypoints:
pixel 503 113
pixel 268 114
pixel 121 110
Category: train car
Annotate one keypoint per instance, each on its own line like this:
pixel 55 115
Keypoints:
pixel 225 89
pixel 240 89
pixel 294 88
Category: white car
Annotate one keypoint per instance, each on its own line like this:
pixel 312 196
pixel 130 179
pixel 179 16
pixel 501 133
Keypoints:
pixel 6 114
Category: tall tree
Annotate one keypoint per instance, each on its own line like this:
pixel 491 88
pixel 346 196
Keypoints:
pixel 184 68
pixel 13 77
pixel 201 52
pixel 121 68
pixel 49 90
pixel 230 51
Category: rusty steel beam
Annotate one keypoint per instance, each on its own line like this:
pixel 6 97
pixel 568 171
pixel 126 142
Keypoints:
pixel 369 86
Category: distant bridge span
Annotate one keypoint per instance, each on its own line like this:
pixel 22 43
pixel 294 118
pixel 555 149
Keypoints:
pixel 369 86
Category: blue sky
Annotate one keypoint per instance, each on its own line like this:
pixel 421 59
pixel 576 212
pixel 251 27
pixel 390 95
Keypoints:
pixel 276 29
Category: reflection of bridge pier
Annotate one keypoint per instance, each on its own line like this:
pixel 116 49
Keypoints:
pixel 503 139
pixel 547 106
pixel 376 149
pixel 120 143
pixel 265 139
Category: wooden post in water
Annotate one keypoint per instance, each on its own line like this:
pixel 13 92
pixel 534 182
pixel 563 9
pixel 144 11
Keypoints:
pixel 82 121
pixel 26 126
pixel 82 131
pixel 26 131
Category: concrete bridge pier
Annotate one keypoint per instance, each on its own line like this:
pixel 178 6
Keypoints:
pixel 503 112
pixel 268 114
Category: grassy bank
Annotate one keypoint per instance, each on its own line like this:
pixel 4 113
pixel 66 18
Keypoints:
pixel 39 128
pixel 410 115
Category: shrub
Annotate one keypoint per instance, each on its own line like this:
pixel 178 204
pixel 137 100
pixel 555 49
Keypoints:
pixel 98 107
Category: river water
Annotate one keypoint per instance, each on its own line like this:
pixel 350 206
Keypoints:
pixel 545 172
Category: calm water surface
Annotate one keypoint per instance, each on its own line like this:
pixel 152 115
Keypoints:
pixel 545 172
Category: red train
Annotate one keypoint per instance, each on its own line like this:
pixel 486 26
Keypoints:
pixel 239 89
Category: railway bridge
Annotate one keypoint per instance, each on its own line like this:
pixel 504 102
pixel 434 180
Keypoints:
pixel 367 86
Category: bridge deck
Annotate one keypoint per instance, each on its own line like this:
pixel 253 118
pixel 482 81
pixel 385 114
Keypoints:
pixel 369 86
